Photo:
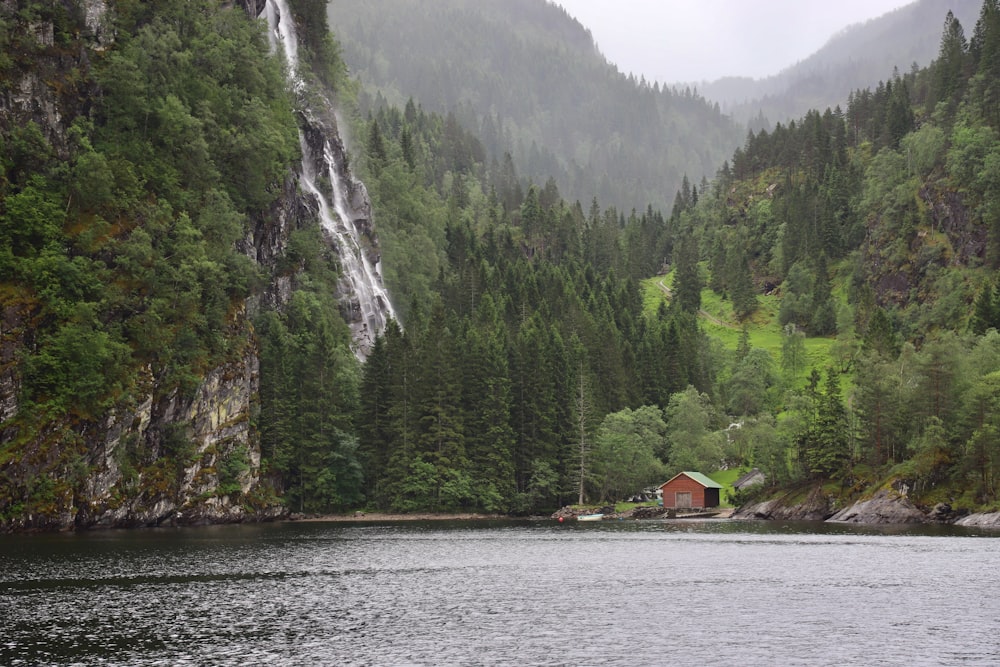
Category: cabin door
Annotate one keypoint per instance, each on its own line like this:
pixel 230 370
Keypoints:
pixel 682 499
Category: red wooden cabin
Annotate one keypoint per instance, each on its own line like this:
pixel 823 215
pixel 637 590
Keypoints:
pixel 690 490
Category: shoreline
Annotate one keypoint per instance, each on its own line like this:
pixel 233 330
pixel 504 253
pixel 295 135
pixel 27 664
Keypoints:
pixel 361 517
pixel 389 517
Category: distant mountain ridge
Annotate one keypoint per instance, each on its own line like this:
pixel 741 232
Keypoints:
pixel 530 80
pixel 858 56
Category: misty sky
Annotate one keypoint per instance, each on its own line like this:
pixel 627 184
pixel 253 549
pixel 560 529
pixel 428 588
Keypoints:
pixel 675 41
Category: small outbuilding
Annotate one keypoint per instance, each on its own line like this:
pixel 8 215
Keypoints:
pixel 690 490
pixel 752 478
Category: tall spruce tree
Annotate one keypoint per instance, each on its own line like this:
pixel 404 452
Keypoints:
pixel 949 68
pixel 827 441
pixel 687 278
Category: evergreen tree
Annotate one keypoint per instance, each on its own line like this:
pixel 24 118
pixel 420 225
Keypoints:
pixel 375 429
pixel 534 410
pixel 984 50
pixel 949 68
pixel 826 446
pixel 441 433
pixel 377 153
pixel 880 336
pixel 687 278
pixel 487 412
pixel 986 310
pixel 899 118
pixel 742 289
pixel 879 403
pixel 824 317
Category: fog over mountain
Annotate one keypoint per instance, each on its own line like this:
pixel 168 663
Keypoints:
pixel 674 42
pixel 772 62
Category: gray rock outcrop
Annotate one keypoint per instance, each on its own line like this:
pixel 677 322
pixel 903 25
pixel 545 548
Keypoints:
pixel 817 506
pixel 885 507
pixel 981 520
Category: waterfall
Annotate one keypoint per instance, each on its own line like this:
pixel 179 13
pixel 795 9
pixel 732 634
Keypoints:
pixel 367 306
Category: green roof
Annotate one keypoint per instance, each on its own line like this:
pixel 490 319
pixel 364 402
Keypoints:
pixel 698 477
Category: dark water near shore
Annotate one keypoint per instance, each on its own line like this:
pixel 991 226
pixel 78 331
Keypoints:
pixel 509 593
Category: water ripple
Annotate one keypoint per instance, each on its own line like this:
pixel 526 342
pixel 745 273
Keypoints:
pixel 525 594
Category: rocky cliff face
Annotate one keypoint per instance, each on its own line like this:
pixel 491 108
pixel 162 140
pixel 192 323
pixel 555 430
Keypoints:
pixel 955 241
pixel 159 457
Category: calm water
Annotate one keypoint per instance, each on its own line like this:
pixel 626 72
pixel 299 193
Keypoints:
pixel 627 593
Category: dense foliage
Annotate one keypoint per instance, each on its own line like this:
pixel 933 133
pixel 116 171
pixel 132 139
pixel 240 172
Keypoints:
pixel 871 226
pixel 123 248
pixel 123 240
pixel 541 362
pixel 879 224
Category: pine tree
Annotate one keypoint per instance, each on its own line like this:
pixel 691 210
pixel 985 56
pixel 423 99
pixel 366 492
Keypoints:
pixel 486 388
pixel 377 154
pixel 742 289
pixel 534 408
pixel 878 400
pixel 986 311
pixel 583 417
pixel 441 435
pixel 375 430
pixel 899 118
pixel 949 68
pixel 824 318
pixel 687 278
pixel 827 442
pixel 407 148
pixel 880 336
pixel 984 50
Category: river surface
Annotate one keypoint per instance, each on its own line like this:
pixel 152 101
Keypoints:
pixel 502 593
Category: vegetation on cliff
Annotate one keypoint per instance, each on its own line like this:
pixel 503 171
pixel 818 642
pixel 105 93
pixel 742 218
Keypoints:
pixel 132 180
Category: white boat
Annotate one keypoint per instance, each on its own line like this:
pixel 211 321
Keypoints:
pixel 590 517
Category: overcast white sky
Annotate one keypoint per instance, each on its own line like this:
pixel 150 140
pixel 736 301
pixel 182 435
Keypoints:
pixel 678 41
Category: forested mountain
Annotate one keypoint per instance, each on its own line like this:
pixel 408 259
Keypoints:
pixel 879 224
pixel 530 82
pixel 150 226
pixel 858 57
pixel 855 247
pixel 173 347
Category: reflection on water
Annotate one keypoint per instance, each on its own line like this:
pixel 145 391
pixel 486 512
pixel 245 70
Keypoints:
pixel 540 593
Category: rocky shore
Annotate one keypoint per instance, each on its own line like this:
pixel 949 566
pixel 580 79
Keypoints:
pixel 640 512
pixel 388 517
pixel 885 507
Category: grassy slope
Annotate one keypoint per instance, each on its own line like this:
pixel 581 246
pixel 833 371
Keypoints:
pixel 726 479
pixel 719 322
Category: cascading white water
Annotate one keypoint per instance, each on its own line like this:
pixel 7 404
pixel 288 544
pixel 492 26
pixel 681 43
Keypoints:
pixel 281 33
pixel 370 309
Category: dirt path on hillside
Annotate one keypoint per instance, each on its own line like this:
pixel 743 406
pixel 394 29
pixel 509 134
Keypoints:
pixel 708 316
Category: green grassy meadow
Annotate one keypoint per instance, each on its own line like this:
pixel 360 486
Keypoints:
pixel 718 321
pixel 726 479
